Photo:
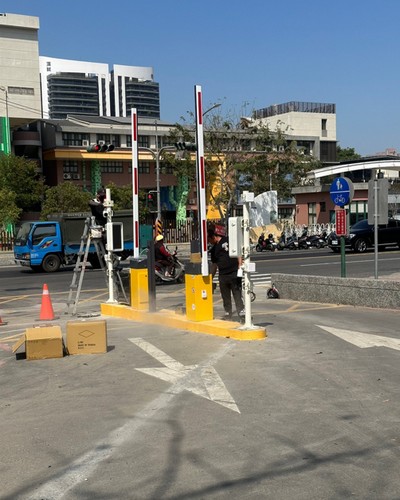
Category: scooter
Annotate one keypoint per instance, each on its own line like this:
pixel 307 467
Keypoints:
pixel 175 272
pixel 303 240
pixel 316 241
pixel 292 242
pixel 266 244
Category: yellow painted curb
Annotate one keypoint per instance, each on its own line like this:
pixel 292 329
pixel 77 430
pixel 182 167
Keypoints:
pixel 229 329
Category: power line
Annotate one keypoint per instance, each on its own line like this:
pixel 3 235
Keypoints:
pixel 14 104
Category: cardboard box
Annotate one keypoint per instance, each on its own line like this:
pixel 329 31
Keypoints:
pixel 86 337
pixel 43 342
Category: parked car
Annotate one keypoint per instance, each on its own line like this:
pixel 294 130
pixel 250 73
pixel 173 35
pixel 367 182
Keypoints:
pixel 361 236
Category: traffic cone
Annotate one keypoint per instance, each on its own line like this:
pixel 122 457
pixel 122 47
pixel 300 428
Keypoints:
pixel 46 311
pixel 2 323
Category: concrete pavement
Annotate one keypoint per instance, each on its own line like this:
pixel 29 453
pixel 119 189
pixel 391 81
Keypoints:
pixel 172 414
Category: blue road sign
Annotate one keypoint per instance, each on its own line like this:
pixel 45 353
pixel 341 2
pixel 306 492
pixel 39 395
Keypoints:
pixel 341 191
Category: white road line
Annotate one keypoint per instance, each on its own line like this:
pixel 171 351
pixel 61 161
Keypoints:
pixel 207 384
pixel 363 340
pixel 84 466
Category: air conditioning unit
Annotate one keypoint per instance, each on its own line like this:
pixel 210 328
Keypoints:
pixel 101 143
pixel 76 177
pixel 67 177
pixel 85 143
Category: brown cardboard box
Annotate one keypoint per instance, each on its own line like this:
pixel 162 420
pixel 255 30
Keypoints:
pixel 86 337
pixel 43 342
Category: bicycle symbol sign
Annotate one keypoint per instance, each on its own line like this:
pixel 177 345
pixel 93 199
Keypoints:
pixel 341 191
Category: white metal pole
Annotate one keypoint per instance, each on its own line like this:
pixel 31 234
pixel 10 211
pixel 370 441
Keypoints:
pixel 201 181
pixel 109 255
pixel 135 183
pixel 376 215
pixel 246 260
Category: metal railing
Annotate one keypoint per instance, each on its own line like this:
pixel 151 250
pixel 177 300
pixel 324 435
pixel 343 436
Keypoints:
pixel 6 241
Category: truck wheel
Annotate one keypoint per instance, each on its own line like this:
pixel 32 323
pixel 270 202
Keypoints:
pixel 51 263
pixel 360 246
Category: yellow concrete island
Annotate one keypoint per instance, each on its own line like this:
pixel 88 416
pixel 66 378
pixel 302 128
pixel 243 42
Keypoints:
pixel 199 311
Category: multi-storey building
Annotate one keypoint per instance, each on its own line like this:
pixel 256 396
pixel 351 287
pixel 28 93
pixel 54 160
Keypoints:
pixel 19 74
pixel 88 88
pixel 312 125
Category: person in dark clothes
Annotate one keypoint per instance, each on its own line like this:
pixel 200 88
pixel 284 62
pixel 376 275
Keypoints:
pixel 227 271
pixel 97 207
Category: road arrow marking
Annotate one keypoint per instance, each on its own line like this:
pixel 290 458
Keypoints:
pixel 201 380
pixel 363 340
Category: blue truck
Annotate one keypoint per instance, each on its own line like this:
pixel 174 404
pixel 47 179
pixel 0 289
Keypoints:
pixel 48 245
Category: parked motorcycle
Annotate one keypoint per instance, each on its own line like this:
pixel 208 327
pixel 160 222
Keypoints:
pixel 175 272
pixel 303 241
pixel 316 241
pixel 292 242
pixel 266 243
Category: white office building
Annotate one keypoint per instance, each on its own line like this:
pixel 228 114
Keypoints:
pixel 87 88
pixel 19 68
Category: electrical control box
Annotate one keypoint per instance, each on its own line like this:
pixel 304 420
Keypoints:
pixel 235 235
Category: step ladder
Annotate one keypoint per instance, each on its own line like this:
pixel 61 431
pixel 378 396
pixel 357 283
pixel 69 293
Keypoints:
pixel 92 234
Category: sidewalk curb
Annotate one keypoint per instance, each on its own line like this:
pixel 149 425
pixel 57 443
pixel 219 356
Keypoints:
pixel 165 317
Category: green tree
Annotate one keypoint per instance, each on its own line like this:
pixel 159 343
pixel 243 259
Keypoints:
pixel 122 198
pixel 65 197
pixel 233 161
pixel 184 168
pixel 346 154
pixel 9 211
pixel 20 176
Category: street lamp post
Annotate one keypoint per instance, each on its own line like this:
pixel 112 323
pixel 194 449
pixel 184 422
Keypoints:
pixel 216 105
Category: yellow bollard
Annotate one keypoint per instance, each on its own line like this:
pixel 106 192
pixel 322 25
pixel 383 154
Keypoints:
pixel 199 301
pixel 139 289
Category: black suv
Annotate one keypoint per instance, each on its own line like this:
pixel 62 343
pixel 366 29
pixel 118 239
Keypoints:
pixel 361 236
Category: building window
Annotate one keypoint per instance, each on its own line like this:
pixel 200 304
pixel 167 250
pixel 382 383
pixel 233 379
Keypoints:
pixel 285 213
pixel 106 138
pixel 21 90
pixel 144 167
pixel 358 211
pixel 72 139
pixel 111 167
pixel 312 213
pixel 322 206
pixel 143 141
pixel 128 141
pixel 70 166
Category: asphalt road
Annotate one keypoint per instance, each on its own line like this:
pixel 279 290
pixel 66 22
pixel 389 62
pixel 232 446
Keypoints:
pixel 311 412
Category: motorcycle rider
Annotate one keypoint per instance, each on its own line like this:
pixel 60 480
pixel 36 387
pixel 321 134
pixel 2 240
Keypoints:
pixel 162 256
pixel 261 240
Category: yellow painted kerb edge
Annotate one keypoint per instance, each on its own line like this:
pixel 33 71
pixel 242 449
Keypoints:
pixel 221 328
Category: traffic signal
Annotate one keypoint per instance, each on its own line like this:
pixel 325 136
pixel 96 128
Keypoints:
pixel 186 146
pixel 151 201
pixel 103 148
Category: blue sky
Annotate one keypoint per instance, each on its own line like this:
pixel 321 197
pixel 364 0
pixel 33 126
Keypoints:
pixel 247 55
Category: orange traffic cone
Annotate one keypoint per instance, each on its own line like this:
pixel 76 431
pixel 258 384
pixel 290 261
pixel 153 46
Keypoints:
pixel 2 323
pixel 46 311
